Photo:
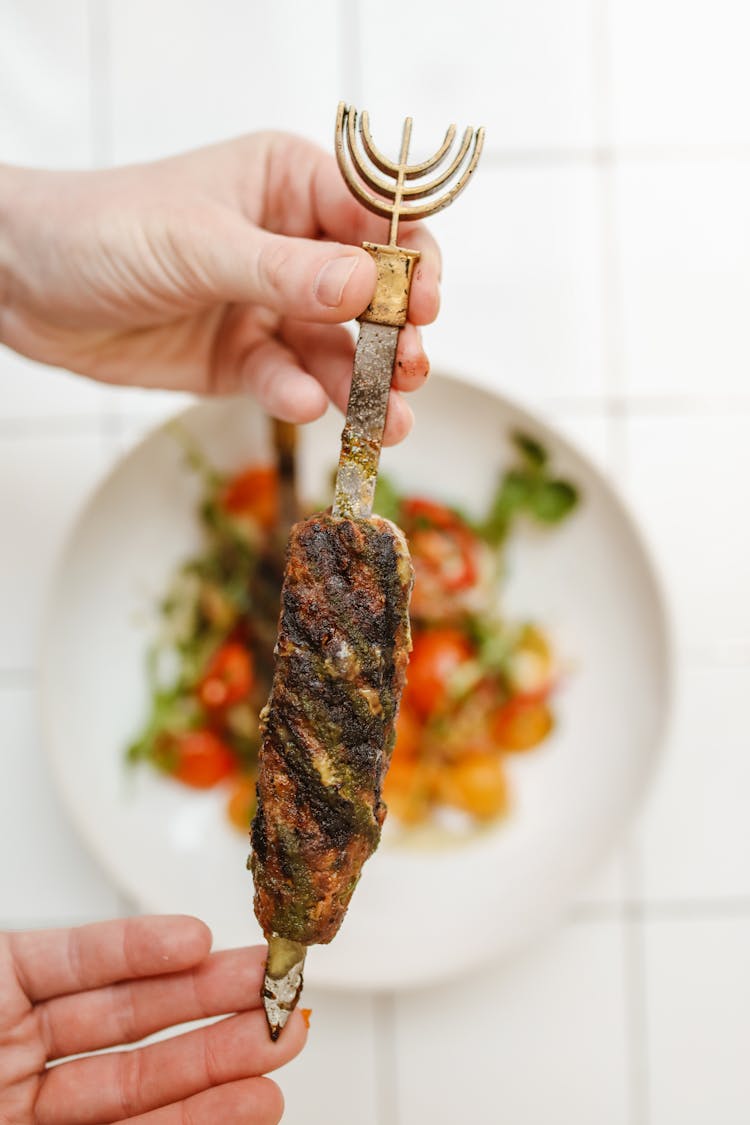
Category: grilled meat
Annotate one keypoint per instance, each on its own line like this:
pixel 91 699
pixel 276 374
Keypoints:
pixel 328 727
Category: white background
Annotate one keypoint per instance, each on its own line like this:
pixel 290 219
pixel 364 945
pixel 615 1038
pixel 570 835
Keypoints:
pixel 597 268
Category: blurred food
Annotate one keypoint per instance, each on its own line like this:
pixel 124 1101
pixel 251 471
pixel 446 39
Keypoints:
pixel 479 687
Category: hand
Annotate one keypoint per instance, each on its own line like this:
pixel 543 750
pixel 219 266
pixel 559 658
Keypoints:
pixel 63 992
pixel 208 272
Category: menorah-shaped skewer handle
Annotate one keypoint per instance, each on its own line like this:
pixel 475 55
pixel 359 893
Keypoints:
pixel 403 191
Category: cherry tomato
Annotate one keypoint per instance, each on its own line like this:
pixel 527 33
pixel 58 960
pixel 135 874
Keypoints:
pixel 407 791
pixel 229 677
pixel 254 493
pixel 241 803
pixel 408 735
pixel 448 557
pixel 436 656
pixel 201 758
pixel 476 784
pixel 521 723
pixel 420 511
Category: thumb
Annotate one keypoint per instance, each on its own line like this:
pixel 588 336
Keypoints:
pixel 299 278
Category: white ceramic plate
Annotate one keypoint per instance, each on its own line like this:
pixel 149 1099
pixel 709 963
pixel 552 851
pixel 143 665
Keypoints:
pixel 417 916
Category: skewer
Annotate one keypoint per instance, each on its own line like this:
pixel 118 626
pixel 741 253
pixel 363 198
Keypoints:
pixel 394 197
pixel 283 981
pixel 285 448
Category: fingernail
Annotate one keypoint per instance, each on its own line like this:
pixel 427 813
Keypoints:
pixel 331 281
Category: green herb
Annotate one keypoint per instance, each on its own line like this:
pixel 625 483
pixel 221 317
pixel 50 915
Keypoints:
pixel 534 453
pixel 552 500
pixel 387 501
pixel 527 489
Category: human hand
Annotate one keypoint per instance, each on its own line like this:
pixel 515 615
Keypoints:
pixel 63 992
pixel 208 272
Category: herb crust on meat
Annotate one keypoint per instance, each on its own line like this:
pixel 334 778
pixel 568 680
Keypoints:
pixel 328 728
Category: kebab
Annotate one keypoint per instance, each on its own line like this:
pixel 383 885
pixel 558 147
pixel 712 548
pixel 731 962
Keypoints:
pixel 329 725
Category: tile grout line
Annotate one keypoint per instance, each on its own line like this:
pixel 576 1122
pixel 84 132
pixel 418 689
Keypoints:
pixel 100 91
pixel 618 405
pixel 13 678
pixel 605 154
pixel 658 405
pixel 611 309
pixel 45 426
pixel 636 992
pixel 635 980
pixel 612 359
pixel 637 910
pixel 387 1109
pixel 350 48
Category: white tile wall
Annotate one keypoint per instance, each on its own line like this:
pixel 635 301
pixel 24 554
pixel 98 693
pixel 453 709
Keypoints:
pixel 599 269
pixel 45 83
pixel 521 277
pixel 686 477
pixel 698 1027
pixel 189 74
pixel 695 836
pixel 683 237
pixel 679 72
pixel 341 1054
pixel 525 71
pixel 540 1040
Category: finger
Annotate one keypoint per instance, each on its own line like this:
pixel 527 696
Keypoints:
pixel 128 1011
pixel 272 373
pixel 315 200
pixel 412 365
pixel 399 419
pixel 424 298
pixel 327 355
pixel 111 1087
pixel 57 962
pixel 312 279
pixel 258 1100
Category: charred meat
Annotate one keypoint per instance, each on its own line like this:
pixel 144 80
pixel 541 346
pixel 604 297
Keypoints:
pixel 328 727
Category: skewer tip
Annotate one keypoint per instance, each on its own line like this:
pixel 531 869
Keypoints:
pixel 283 981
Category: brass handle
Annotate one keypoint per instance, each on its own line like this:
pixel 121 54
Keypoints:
pixel 390 302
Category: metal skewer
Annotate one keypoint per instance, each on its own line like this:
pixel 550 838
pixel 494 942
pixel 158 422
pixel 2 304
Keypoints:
pixel 401 192
pixel 285 448
pixel 406 194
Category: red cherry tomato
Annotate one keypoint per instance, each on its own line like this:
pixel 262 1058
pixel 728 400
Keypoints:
pixel 254 493
pixel 202 759
pixel 229 677
pixel 423 512
pixel 448 557
pixel 436 656
pixel 521 723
